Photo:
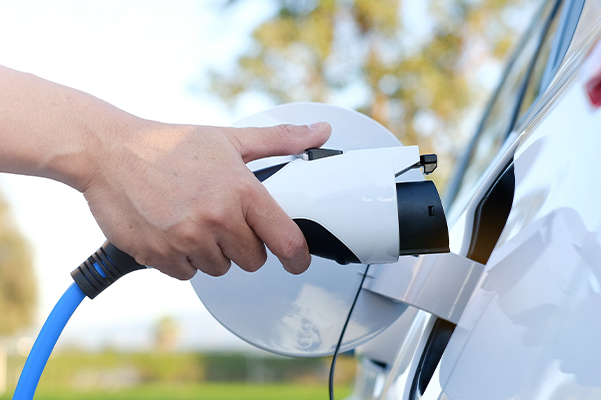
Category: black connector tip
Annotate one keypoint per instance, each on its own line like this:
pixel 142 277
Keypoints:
pixel 422 223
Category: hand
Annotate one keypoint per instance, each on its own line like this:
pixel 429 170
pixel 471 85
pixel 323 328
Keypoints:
pixel 175 197
pixel 181 199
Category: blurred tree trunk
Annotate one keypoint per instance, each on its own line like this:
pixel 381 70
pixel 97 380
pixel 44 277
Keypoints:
pixel 17 285
pixel 3 367
pixel 166 335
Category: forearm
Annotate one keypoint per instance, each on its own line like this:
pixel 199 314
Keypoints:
pixel 54 131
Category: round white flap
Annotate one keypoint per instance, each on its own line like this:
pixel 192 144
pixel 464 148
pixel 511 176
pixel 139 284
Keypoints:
pixel 302 315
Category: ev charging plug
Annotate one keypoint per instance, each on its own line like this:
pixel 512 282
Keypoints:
pixel 347 204
pixel 351 209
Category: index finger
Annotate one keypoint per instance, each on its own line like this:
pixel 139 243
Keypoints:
pixel 275 228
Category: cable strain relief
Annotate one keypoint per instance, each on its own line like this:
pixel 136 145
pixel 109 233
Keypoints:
pixel 103 268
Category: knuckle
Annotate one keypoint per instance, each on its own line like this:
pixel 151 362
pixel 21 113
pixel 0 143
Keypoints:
pixel 182 271
pixel 218 268
pixel 256 263
pixel 293 247
pixel 210 264
pixel 186 235
pixel 184 274
pixel 246 188
pixel 285 130
pixel 232 135
pixel 151 255
pixel 217 216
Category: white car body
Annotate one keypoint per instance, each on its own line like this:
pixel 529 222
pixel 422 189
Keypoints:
pixel 532 326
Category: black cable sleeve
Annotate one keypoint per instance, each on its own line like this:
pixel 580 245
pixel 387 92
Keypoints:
pixel 103 268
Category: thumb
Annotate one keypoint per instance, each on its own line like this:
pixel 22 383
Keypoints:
pixel 279 140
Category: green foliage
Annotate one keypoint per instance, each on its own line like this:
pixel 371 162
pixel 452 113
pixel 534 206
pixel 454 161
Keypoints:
pixel 112 371
pixel 203 391
pixel 242 368
pixel 419 88
pixel 166 334
pixel 91 370
pixel 17 281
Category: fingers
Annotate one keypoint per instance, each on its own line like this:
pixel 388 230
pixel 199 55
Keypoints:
pixel 208 259
pixel 227 236
pixel 243 247
pixel 238 243
pixel 281 235
pixel 279 140
pixel 211 262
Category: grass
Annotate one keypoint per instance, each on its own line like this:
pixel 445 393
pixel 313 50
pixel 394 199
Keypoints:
pixel 201 391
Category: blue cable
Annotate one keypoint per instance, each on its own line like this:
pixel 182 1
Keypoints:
pixel 52 329
pixel 94 275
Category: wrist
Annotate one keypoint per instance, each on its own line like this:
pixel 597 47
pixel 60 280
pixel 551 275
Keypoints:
pixel 97 147
pixel 123 147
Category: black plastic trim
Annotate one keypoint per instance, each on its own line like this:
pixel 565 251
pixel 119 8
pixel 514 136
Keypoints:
pixel 491 216
pixel 422 223
pixel 265 173
pixel 317 153
pixel 435 346
pixel 324 244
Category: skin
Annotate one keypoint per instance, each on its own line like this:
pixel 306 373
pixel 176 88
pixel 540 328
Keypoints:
pixel 176 197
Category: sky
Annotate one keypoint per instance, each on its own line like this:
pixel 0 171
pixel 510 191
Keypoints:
pixel 144 57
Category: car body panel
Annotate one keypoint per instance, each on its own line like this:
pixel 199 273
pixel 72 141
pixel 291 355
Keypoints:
pixel 532 327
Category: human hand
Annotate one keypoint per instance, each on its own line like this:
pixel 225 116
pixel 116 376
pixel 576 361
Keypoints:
pixel 181 199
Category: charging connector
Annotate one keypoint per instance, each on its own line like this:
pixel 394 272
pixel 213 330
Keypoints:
pixel 103 268
pixel 94 275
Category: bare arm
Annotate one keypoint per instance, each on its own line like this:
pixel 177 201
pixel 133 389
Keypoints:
pixel 177 197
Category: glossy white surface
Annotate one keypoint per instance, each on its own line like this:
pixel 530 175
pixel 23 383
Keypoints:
pixel 533 327
pixel 302 315
pixel 531 330
pixel 352 195
pixel 440 284
pixel 385 347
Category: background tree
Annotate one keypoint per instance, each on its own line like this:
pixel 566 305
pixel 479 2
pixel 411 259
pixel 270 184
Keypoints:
pixel 166 334
pixel 367 54
pixel 17 284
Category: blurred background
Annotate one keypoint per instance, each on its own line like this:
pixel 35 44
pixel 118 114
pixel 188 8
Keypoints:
pixel 424 69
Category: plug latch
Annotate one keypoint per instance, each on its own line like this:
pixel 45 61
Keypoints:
pixel 429 162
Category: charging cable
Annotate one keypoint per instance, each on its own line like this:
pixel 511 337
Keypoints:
pixel 52 329
pixel 348 318
pixel 94 275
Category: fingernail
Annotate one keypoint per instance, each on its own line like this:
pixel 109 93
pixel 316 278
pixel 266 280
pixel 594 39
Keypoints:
pixel 316 125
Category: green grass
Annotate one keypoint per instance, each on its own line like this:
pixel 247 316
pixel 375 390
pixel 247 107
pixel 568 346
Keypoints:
pixel 202 391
